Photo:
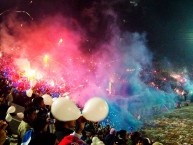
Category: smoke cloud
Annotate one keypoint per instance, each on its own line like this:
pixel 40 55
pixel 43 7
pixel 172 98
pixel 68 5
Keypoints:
pixel 94 60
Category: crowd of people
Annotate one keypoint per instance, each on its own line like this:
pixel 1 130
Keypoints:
pixel 38 125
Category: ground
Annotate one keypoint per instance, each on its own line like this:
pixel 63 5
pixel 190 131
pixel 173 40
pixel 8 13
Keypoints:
pixel 172 127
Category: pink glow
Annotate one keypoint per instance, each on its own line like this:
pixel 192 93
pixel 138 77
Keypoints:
pixel 50 50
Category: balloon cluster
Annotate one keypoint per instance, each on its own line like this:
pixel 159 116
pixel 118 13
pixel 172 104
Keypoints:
pixel 64 109
pixel 10 110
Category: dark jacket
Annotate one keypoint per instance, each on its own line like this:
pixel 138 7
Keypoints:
pixel 109 139
pixel 60 134
pixel 43 139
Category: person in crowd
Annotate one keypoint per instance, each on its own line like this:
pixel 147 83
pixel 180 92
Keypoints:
pixel 100 134
pixel 143 141
pixel 27 122
pixel 97 127
pixel 89 126
pixel 71 130
pixel 135 136
pixel 10 96
pixel 110 138
pixel 121 138
pixel 147 141
pixel 3 133
pixel 89 136
pixel 64 128
pixel 72 140
pixel 185 96
pixel 40 136
pixel 107 130
pixel 38 103
pixel 3 108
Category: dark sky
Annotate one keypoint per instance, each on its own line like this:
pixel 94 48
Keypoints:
pixel 168 23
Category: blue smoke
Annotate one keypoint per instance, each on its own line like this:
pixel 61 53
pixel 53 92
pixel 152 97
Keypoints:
pixel 134 101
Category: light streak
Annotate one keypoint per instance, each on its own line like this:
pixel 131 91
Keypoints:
pixel 17 12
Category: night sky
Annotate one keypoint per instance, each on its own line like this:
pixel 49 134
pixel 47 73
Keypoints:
pixel 167 23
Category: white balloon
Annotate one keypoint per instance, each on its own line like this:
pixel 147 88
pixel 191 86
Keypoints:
pixel 100 143
pixel 29 92
pixel 47 99
pixel 95 109
pixel 20 115
pixel 95 139
pixel 54 99
pixel 8 117
pixel 64 109
pixel 33 83
pixel 67 97
pixel 11 109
